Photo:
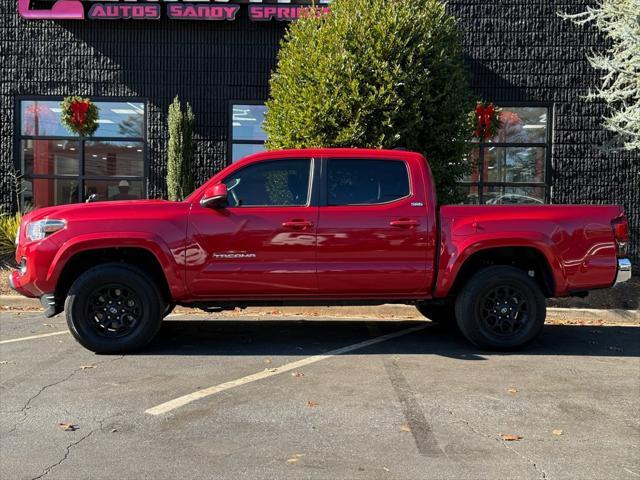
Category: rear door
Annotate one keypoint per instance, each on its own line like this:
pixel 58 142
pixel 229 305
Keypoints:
pixel 372 230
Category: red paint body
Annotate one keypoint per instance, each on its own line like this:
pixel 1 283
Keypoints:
pixel 402 250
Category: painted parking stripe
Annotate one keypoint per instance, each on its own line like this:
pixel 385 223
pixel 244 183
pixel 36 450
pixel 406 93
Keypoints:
pixel 192 397
pixel 33 337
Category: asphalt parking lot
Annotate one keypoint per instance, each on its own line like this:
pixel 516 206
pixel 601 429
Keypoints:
pixel 318 398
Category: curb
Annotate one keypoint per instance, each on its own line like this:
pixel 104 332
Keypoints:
pixel 566 315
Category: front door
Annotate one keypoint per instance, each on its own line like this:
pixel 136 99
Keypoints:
pixel 373 236
pixel 264 243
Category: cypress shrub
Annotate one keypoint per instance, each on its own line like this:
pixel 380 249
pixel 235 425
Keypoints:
pixel 180 150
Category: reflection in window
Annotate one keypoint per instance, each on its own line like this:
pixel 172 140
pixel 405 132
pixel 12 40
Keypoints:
pixel 511 168
pixel 116 119
pixel 503 195
pixel 247 134
pixel 366 182
pixel 50 157
pixel 120 159
pixel 114 189
pixel 241 150
pixel 515 164
pixel 275 183
pixel 64 168
pixel 42 192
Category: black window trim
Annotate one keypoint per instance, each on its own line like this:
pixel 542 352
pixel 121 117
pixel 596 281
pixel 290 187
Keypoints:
pixel 231 141
pixel 18 138
pixel 312 185
pixel 547 145
pixel 324 179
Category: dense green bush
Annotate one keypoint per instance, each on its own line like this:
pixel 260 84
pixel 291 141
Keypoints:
pixel 180 151
pixel 380 74
pixel 9 225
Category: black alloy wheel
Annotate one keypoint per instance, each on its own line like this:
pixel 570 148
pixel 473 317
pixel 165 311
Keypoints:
pixel 501 308
pixel 114 308
pixel 504 311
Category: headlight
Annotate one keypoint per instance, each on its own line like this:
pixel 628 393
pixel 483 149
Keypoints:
pixel 40 229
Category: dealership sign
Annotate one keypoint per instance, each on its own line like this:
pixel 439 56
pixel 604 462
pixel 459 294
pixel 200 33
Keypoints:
pixel 216 10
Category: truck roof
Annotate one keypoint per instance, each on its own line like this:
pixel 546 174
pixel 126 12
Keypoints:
pixel 354 153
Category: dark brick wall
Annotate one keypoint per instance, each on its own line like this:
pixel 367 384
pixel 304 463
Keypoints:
pixel 521 51
pixel 517 51
pixel 207 64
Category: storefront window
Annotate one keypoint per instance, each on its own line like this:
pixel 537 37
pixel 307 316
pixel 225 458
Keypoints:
pixel 60 167
pixel 512 167
pixel 247 135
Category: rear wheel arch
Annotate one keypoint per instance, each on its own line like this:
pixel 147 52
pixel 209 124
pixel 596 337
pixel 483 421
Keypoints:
pixel 527 259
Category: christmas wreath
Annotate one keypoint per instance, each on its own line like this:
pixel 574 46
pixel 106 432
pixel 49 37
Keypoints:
pixel 80 115
pixel 486 119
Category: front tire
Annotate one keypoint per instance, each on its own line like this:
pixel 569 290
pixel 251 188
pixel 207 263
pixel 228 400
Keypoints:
pixel 114 308
pixel 501 308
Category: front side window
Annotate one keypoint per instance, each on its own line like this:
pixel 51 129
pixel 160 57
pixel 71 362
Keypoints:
pixel 247 135
pixel 60 167
pixel 512 167
pixel 277 183
pixel 366 182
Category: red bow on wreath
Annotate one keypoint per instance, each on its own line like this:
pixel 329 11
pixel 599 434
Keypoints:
pixel 485 117
pixel 79 111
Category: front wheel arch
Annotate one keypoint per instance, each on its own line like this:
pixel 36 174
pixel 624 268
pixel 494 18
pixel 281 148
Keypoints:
pixel 137 257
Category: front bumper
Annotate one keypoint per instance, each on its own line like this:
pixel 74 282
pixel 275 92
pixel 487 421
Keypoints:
pixel 48 300
pixel 624 270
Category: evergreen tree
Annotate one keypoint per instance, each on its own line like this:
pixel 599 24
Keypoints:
pixel 378 74
pixel 180 150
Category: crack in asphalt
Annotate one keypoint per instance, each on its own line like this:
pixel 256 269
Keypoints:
pixel 68 448
pixel 539 470
pixel 27 405
pixel 66 455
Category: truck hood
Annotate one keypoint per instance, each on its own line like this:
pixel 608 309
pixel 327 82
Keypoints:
pixel 113 210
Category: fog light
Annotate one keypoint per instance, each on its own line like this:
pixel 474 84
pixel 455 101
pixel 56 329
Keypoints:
pixel 23 266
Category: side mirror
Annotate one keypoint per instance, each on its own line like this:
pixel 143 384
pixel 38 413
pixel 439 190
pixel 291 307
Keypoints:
pixel 215 197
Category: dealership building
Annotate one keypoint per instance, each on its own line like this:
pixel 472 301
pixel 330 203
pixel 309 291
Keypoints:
pixel 133 57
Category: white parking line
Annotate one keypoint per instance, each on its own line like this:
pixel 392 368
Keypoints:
pixel 192 397
pixel 33 337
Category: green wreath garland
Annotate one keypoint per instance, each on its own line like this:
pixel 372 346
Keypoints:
pixel 486 118
pixel 80 115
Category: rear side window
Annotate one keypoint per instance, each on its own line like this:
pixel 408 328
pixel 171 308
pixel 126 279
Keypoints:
pixel 279 183
pixel 366 182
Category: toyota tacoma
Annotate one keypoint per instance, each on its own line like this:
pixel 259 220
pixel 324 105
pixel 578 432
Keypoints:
pixel 317 226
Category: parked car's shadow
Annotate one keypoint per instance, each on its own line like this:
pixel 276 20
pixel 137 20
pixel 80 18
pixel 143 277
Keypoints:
pixel 305 338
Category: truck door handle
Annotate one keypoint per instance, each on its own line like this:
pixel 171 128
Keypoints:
pixel 297 224
pixel 404 223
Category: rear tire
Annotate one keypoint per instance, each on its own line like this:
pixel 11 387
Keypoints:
pixel 501 308
pixel 114 308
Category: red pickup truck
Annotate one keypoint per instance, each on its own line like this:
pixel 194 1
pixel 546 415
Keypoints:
pixel 323 226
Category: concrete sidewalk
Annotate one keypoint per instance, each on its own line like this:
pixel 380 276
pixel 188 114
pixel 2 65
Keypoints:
pixel 554 315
